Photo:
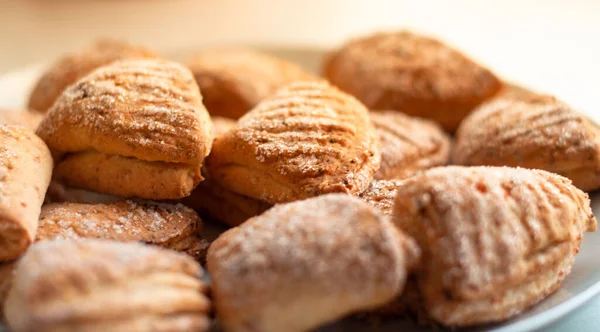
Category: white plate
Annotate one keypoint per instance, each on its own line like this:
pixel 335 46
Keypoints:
pixel 580 286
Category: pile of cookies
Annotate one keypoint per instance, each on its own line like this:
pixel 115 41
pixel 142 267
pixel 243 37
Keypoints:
pixel 338 190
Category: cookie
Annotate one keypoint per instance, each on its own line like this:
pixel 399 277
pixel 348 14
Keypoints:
pixel 408 145
pixel 135 128
pixel 303 264
pixel 538 132
pixel 99 285
pixel 494 240
pixel 306 140
pixel 411 73
pixel 233 81
pixel 73 66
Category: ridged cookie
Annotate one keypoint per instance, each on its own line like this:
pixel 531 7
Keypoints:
pixel 233 81
pixel 212 200
pixel 25 172
pixel 98 285
pixel 494 240
pixel 69 68
pixel 538 132
pixel 408 144
pixel 306 140
pixel 167 225
pixel 135 128
pixel 382 194
pixel 303 264
pixel 413 74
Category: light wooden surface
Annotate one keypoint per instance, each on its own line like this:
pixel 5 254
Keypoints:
pixel 550 45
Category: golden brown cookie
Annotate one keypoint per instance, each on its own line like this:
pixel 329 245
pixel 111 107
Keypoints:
pixel 381 194
pixel 167 225
pixel 233 81
pixel 73 66
pixel 303 264
pixel 306 140
pixel 408 144
pixel 411 73
pixel 25 171
pixel 23 118
pixel 135 128
pixel 538 132
pixel 99 285
pixel 212 200
pixel 495 240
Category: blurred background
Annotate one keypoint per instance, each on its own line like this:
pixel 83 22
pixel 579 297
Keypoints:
pixel 551 45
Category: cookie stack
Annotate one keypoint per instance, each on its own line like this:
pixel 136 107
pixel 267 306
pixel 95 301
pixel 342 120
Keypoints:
pixel 338 190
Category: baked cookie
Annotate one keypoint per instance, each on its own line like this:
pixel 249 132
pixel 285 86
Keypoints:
pixel 71 67
pixel 135 128
pixel 494 240
pixel 213 201
pixel 303 264
pixel 408 144
pixel 233 81
pixel 99 285
pixel 414 74
pixel 23 118
pixel 381 194
pixel 167 225
pixel 25 171
pixel 538 132
pixel 306 140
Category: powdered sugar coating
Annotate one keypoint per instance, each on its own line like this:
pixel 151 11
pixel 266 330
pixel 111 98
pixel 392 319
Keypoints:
pixel 307 139
pixel 150 222
pixel 73 285
pixel 73 66
pixel 408 144
pixel 26 168
pixel 413 74
pixel 148 109
pixel 306 253
pixel 382 194
pixel 532 131
pixel 495 240
pixel 118 258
